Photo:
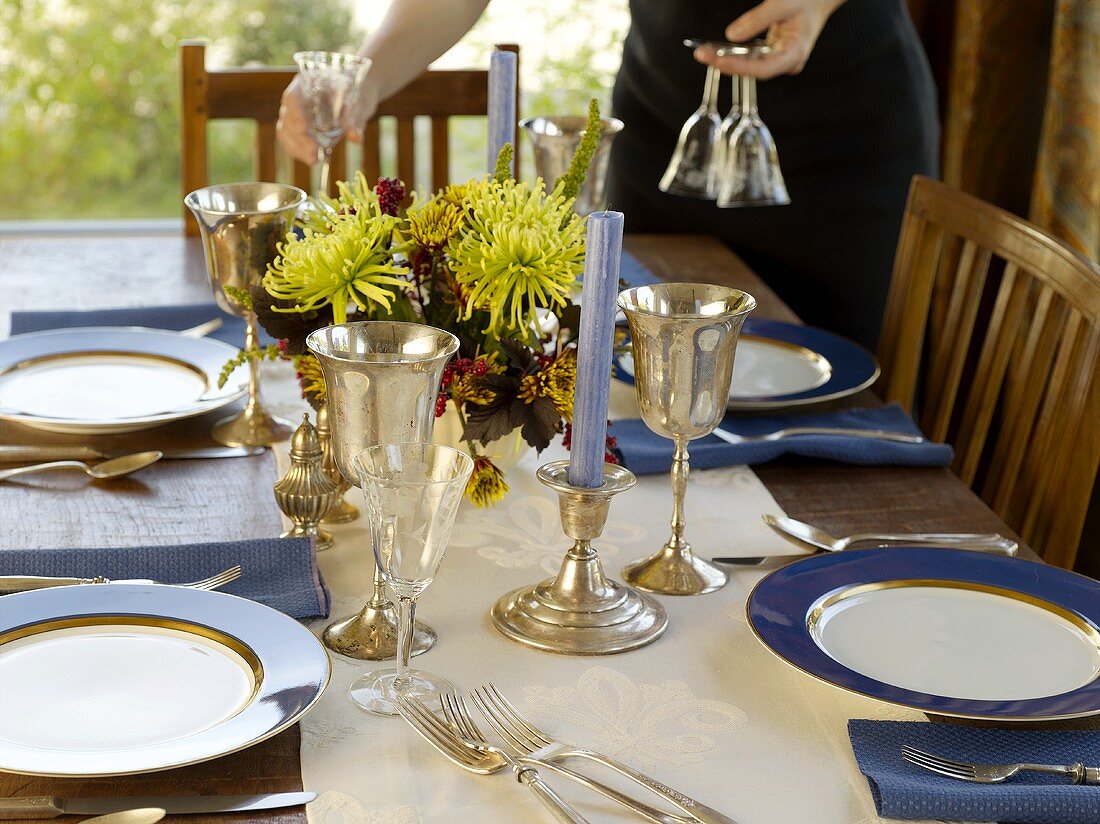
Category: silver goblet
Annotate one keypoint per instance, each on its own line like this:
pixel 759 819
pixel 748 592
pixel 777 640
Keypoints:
pixel 684 336
pixel 240 224
pixel 381 382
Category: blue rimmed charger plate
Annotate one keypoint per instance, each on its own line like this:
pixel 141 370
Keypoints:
pixel 782 364
pixel 948 632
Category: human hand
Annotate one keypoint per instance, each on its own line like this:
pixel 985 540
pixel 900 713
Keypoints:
pixel 292 128
pixel 792 28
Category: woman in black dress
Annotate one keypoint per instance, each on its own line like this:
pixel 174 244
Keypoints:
pixel 852 127
pixel 849 99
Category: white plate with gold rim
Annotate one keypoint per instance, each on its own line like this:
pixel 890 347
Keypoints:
pixel 781 365
pixel 943 631
pixel 114 679
pixel 103 380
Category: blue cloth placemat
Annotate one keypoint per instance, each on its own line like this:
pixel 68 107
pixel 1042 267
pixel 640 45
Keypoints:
pixel 174 318
pixel 279 572
pixel 634 273
pixel 903 790
pixel 646 453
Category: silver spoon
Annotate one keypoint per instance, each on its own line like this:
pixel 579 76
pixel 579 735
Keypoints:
pixel 113 468
pixel 143 815
pixel 810 536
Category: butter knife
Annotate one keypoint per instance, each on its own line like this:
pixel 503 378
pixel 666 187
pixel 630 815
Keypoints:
pixel 45 806
pixel 18 454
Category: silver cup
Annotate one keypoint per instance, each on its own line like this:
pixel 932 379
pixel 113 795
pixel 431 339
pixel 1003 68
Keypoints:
pixel 240 224
pixel 684 336
pixel 556 140
pixel 381 382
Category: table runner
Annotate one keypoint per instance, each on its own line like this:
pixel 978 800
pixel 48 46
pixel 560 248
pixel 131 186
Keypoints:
pixel 705 708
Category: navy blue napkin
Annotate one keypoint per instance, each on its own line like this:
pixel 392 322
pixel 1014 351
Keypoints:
pixel 903 790
pixel 279 572
pixel 634 273
pixel 175 318
pixel 646 453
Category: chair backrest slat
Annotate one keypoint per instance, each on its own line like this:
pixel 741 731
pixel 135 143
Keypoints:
pixel 406 148
pixel 255 94
pixel 995 327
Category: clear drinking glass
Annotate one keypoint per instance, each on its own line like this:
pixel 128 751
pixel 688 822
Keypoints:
pixel 689 171
pixel 748 173
pixel 331 82
pixel 413 491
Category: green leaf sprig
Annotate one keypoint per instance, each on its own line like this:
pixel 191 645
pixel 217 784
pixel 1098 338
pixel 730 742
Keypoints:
pixel 569 184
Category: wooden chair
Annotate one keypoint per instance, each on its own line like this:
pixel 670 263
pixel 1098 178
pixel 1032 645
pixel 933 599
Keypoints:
pixel 254 93
pixel 995 327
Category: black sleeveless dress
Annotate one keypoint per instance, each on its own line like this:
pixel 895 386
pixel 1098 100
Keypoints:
pixel 851 131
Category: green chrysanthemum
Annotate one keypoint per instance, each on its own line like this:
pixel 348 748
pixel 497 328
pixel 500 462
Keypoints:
pixel 521 249
pixel 352 262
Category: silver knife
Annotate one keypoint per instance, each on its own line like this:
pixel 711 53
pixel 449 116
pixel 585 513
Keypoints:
pixel 45 806
pixel 16 454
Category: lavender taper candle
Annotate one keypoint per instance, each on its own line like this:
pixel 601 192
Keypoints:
pixel 601 287
pixel 502 104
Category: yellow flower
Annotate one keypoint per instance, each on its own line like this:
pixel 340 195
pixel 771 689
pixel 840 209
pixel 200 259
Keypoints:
pixel 351 263
pixel 310 377
pixel 455 193
pixel 486 485
pixel 520 249
pixel 556 380
pixel 435 223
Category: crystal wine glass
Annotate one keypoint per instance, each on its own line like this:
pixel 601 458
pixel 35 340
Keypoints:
pixel 413 491
pixel 332 82
pixel 689 171
pixel 749 174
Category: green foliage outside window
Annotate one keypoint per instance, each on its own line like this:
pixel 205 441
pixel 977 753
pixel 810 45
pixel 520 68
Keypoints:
pixel 89 93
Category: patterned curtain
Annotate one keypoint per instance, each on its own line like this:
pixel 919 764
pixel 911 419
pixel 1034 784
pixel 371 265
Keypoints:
pixel 1020 91
pixel 1065 197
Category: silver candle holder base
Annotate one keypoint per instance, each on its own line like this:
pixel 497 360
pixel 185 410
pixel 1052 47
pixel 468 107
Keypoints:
pixel 581 611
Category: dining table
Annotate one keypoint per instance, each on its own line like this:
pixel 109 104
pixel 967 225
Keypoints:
pixel 705 709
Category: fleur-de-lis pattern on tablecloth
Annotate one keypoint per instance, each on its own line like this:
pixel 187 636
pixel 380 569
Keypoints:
pixel 639 723
pixel 339 808
pixel 524 532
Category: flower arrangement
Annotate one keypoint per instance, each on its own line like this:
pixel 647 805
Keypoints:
pixel 494 261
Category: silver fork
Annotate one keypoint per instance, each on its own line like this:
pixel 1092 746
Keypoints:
pixel 528 740
pixel 456 712
pixel 481 758
pixel 19 583
pixel 995 773
pixel 790 432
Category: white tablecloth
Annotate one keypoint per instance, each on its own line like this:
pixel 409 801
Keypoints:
pixel 705 709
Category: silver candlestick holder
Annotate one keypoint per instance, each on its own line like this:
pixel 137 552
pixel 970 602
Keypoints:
pixel 581 611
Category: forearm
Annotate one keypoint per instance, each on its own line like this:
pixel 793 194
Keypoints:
pixel 412 35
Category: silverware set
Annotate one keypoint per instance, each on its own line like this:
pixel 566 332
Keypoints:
pixel 20 583
pixel 1077 772
pixel 528 749
pixel 142 809
pixel 810 537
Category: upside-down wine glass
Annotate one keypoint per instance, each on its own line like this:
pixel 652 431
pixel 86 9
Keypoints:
pixel 413 491
pixel 749 174
pixel 331 82
pixel 689 171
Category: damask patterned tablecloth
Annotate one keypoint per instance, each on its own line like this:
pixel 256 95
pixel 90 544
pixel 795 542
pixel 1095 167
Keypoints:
pixel 705 709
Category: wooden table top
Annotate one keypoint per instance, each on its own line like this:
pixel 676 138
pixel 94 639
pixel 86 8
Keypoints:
pixel 38 272
pixel 97 271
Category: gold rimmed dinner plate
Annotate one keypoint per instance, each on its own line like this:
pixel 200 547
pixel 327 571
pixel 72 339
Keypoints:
pixel 943 631
pixel 102 380
pixel 114 679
